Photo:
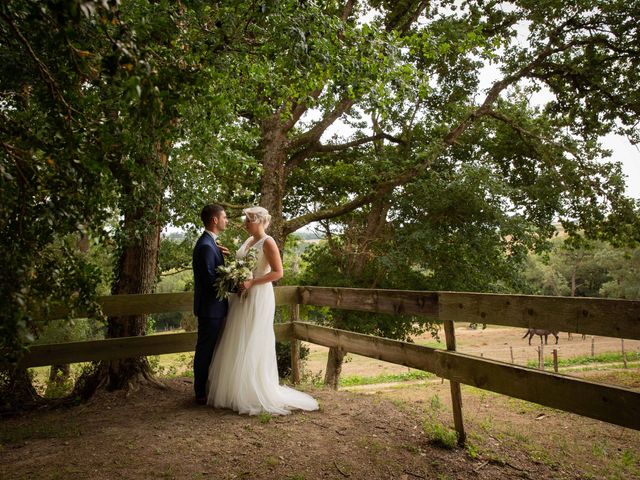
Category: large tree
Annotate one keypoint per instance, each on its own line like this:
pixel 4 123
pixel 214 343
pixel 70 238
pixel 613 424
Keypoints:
pixel 54 184
pixel 176 58
pixel 467 223
pixel 411 76
pixel 431 139
pixel 91 105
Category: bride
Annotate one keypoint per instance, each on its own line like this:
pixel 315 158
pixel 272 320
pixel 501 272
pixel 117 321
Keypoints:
pixel 243 375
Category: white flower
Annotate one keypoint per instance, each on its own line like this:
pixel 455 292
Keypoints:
pixel 231 276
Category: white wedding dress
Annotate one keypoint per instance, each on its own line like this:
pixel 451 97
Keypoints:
pixel 243 375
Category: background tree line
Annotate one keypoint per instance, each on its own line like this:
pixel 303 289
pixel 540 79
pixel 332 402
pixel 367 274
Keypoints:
pixel 119 118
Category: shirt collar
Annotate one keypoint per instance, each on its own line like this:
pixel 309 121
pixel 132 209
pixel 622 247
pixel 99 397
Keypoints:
pixel 213 235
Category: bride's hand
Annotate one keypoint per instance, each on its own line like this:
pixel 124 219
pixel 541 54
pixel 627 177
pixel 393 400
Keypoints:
pixel 246 285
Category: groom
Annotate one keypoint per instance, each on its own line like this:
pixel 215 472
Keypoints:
pixel 211 312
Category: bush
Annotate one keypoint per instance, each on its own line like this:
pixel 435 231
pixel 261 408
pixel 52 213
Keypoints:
pixel 283 354
pixel 160 322
pixel 189 322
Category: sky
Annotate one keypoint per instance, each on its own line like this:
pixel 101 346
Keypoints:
pixel 629 156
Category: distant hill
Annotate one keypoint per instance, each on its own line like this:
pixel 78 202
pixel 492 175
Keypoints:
pixel 174 236
pixel 308 235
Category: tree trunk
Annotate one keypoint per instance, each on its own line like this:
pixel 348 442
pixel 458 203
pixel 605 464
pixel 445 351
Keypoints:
pixel 136 273
pixel 58 376
pixel 138 266
pixel 59 373
pixel 361 254
pixel 374 229
pixel 16 390
pixel 334 367
pixel 273 181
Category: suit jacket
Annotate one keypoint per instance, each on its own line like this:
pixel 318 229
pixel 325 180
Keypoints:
pixel 206 258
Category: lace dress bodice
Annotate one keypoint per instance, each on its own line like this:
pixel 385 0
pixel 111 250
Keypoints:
pixel 262 266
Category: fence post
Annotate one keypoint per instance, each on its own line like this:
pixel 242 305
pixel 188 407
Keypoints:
pixel 456 395
pixel 295 346
pixel 541 357
pixel 555 360
pixel 624 354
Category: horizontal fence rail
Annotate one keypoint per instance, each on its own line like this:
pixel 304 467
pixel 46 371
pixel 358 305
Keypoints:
pixel 594 316
pixel 613 318
pixel 602 402
pixel 121 305
pixel 125 347
pixel 398 302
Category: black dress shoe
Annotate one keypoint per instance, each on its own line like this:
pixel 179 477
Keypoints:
pixel 201 400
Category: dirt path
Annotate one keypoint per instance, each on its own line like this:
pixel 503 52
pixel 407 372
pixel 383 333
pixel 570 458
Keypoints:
pixel 152 435
pixel 381 435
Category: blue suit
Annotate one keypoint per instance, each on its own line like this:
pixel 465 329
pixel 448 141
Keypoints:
pixel 210 311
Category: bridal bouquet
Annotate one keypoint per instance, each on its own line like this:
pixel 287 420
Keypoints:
pixel 232 275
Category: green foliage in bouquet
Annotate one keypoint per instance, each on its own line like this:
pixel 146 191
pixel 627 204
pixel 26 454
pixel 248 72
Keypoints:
pixel 230 276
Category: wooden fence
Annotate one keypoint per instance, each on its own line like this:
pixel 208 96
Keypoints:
pixel 613 318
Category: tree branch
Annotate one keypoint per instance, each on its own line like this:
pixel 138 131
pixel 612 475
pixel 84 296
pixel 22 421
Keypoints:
pixel 449 139
pixel 360 141
pixel 499 86
pixel 232 206
pixel 17 155
pixel 42 68
pixel 300 108
pixel 299 222
pixel 332 212
pixel 314 133
pixel 526 133
pixel 317 147
pixel 184 269
pixel 401 18
pixel 347 10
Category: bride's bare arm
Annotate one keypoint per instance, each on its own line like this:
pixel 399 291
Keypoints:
pixel 272 255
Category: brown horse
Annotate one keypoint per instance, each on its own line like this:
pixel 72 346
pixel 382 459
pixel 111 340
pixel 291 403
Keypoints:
pixel 543 333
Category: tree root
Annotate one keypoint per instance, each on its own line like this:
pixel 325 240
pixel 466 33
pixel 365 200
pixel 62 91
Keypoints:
pixel 128 375
pixel 154 382
pixel 143 379
pixel 16 392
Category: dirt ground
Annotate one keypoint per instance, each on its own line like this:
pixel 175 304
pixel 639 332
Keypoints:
pixel 379 434
pixel 386 431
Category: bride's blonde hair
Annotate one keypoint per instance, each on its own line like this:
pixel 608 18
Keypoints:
pixel 258 215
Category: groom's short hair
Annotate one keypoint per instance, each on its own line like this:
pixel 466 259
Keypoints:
pixel 210 211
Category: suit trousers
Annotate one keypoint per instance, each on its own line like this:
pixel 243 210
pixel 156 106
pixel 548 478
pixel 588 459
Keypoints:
pixel 209 330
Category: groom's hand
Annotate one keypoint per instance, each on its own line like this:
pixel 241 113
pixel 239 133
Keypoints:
pixel 225 251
